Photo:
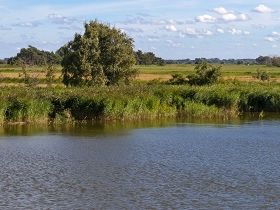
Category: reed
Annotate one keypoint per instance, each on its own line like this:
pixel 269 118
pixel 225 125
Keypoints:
pixel 138 101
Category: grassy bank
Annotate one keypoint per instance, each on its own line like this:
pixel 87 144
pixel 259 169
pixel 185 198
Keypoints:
pixel 223 101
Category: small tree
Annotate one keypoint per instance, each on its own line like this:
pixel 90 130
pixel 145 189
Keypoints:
pixel 29 79
pixel 177 79
pixel 50 74
pixel 262 75
pixel 206 74
pixel 101 56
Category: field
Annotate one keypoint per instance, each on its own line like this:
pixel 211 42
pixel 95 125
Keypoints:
pixel 229 72
pixel 11 75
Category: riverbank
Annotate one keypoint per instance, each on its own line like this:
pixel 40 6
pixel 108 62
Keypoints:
pixel 136 102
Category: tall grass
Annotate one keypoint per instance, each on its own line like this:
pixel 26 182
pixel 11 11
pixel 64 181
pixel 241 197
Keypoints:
pixel 137 101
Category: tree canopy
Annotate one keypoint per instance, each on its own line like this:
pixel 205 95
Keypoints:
pixel 205 74
pixel 103 55
pixel 148 58
pixel 34 56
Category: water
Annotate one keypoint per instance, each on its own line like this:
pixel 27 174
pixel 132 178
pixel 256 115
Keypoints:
pixel 159 165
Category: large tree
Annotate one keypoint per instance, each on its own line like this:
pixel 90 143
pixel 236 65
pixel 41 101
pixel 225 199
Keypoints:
pixel 103 55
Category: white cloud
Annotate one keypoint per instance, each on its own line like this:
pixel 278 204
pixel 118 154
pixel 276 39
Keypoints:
pixel 221 10
pixel 243 17
pixel 229 17
pixel 28 24
pixel 205 19
pixel 59 19
pixel 132 30
pixel 270 39
pixel 174 44
pixel 235 31
pixel 274 33
pixel 220 30
pixel 273 37
pixel 193 32
pixel 234 17
pixel 152 38
pixel 263 9
pixel 207 32
pixel 171 28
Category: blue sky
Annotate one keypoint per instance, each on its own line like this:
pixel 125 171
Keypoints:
pixel 172 29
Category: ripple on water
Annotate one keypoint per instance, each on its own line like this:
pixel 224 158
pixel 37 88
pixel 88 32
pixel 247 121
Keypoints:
pixel 198 167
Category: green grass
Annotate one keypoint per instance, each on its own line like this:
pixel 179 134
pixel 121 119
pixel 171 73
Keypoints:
pixel 11 68
pixel 227 69
pixel 137 102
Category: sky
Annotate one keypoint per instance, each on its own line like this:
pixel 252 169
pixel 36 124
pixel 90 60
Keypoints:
pixel 176 29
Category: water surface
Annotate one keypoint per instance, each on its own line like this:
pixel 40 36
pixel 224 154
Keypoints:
pixel 162 165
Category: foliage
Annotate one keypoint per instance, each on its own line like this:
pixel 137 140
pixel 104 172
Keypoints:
pixel 16 110
pixel 101 56
pixel 28 79
pixel 264 60
pixel 34 56
pixel 269 61
pixel 206 74
pixel 148 58
pixel 275 61
pixel 50 74
pixel 213 61
pixel 177 79
pixel 3 61
pixel 136 102
pixel 262 75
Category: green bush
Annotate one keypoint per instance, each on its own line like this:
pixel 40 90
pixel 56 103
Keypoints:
pixel 206 74
pixel 16 110
pixel 262 75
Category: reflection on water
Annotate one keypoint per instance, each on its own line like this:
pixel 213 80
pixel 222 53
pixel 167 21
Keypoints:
pixel 170 164
pixel 122 127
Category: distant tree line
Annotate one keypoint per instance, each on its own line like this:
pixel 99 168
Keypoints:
pixel 261 60
pixel 269 61
pixel 212 61
pixel 148 58
pixel 3 61
pixel 33 56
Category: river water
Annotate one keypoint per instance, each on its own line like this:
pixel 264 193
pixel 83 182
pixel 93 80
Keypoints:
pixel 173 165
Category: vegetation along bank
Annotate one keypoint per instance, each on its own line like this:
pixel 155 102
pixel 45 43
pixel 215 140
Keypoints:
pixel 223 101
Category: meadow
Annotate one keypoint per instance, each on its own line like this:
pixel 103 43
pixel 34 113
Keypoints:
pixel 12 75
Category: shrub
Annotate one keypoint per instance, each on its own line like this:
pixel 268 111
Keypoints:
pixel 262 75
pixel 177 79
pixel 206 74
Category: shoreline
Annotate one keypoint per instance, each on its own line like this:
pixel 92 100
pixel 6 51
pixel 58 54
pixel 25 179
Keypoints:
pixel 222 101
